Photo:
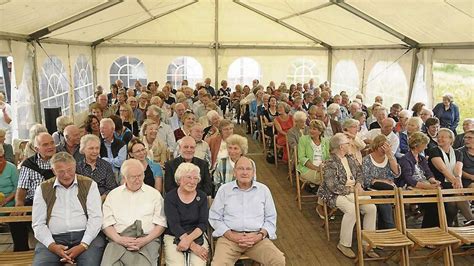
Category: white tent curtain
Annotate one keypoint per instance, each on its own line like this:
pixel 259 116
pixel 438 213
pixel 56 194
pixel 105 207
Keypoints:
pixel 379 72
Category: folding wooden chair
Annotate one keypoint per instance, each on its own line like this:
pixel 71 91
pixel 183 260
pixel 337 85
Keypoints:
pixel 437 237
pixel 300 184
pixel 387 238
pixel 16 258
pixel 291 161
pixel 465 234
pixel 327 215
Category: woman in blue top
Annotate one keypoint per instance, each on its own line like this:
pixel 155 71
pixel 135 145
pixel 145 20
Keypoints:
pixel 8 180
pixel 447 112
pixel 153 172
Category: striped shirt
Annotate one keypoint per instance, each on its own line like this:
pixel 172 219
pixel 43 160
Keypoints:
pixel 30 179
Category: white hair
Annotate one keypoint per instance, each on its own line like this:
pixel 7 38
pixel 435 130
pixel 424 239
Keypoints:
pixel 107 121
pixel 333 108
pixel 186 168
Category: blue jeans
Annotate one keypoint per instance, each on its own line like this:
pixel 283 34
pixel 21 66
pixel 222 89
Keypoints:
pixel 385 216
pixel 91 257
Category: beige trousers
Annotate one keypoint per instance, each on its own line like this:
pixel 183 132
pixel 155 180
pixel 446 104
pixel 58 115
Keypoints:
pixel 312 176
pixel 346 205
pixel 264 252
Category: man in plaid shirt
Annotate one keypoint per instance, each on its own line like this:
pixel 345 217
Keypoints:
pixel 33 171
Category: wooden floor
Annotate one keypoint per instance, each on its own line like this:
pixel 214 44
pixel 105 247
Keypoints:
pixel 300 234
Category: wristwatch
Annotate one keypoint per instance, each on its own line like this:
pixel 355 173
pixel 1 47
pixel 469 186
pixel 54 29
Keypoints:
pixel 84 245
pixel 261 233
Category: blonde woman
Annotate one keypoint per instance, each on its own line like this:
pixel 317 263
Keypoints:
pixel 156 148
pixel 128 119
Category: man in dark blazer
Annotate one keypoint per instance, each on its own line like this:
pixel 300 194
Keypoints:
pixel 187 147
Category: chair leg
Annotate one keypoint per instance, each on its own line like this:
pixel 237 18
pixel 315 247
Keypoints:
pixel 326 221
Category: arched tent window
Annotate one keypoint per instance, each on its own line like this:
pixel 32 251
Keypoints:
pixel 302 70
pixel 128 69
pixel 242 71
pixel 184 67
pixel 388 80
pixel 83 87
pixel 420 94
pixel 54 85
pixel 345 78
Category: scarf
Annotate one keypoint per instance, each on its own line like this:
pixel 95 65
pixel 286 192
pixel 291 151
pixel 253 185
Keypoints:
pixel 451 161
pixel 3 164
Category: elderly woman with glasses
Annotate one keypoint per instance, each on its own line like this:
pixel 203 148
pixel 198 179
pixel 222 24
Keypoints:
pixel 153 172
pixel 350 128
pixel 313 149
pixel 342 176
pixel 446 164
pixel 187 215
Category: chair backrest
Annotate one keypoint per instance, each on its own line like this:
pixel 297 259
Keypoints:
pixel 378 197
pixel 455 195
pixel 10 218
pixel 415 196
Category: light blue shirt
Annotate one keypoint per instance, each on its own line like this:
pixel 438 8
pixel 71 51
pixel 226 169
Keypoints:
pixel 243 210
pixel 116 162
pixel 67 214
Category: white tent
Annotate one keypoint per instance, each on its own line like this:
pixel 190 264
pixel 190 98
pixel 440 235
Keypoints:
pixel 61 48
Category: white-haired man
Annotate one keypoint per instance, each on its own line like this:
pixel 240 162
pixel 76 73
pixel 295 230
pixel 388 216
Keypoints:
pixel 112 149
pixel 133 220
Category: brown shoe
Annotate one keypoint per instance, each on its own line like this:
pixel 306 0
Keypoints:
pixel 372 254
pixel 346 251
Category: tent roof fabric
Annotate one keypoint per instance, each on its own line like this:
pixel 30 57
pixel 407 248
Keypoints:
pixel 299 23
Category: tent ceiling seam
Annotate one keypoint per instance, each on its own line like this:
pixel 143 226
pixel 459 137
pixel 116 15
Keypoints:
pixel 349 8
pixel 307 11
pixel 63 23
pixel 144 8
pixel 282 23
pixel 99 41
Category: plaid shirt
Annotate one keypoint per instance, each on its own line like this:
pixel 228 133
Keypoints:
pixel 30 179
pixel 103 174
pixel 224 172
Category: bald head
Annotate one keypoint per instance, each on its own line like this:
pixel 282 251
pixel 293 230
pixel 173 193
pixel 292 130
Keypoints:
pixel 187 148
pixel 244 172
pixel 387 126
pixel 72 134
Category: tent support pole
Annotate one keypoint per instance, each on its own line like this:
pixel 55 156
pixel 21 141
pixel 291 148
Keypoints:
pixel 35 83
pixel 63 23
pixel 94 65
pixel 216 45
pixel 72 97
pixel 414 67
pixel 329 66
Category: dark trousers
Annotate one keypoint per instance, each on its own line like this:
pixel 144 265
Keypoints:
pixel 19 232
pixel 431 216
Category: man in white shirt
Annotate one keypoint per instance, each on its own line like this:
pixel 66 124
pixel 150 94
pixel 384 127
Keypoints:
pixel 388 125
pixel 5 118
pixel 133 220
pixel 67 217
pixel 175 119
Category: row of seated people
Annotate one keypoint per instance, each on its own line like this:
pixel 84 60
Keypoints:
pixel 383 167
pixel 72 226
